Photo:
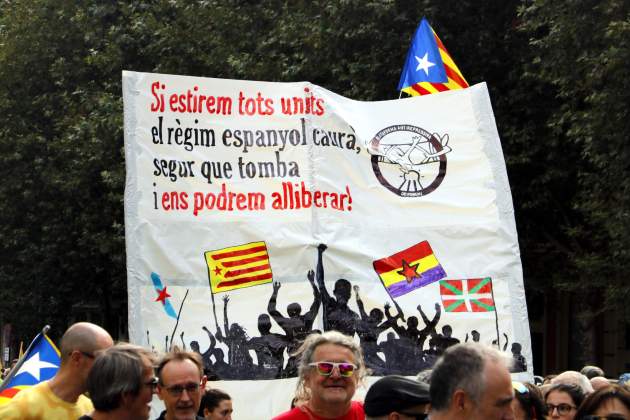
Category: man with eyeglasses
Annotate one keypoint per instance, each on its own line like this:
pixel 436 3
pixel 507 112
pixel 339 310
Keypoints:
pixel 397 398
pixel 471 382
pixel 121 384
pixel 61 398
pixel 181 383
pixel 330 368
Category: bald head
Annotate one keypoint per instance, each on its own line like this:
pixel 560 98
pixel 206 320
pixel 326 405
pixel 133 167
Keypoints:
pixel 84 337
pixel 599 382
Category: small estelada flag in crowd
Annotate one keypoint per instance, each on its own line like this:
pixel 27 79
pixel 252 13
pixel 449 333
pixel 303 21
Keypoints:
pixel 239 266
pixel 428 67
pixel 39 363
pixel 467 295
pixel 409 269
pixel 163 295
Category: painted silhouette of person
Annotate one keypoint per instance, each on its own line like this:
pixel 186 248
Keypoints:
pixel 296 326
pixel 392 349
pixel 520 363
pixel 369 328
pixel 217 370
pixel 475 336
pixel 336 313
pixel 411 352
pixel 238 351
pixel 429 326
pixel 445 340
pixel 269 348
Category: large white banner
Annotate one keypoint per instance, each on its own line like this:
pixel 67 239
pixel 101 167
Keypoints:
pixel 258 212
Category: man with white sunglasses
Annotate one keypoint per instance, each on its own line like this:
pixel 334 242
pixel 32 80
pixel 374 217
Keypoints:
pixel 331 366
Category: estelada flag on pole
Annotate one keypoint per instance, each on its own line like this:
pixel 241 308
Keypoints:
pixel 409 269
pixel 238 266
pixel 428 67
pixel 467 295
pixel 39 363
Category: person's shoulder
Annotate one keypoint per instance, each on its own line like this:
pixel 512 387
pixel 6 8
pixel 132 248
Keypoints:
pixel 293 414
pixel 356 410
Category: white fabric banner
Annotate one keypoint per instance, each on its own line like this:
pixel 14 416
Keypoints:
pixel 257 212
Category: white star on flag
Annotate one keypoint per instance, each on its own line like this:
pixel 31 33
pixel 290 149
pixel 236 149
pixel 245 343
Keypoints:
pixel 424 63
pixel 33 366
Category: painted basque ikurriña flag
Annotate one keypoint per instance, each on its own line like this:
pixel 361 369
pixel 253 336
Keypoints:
pixel 257 213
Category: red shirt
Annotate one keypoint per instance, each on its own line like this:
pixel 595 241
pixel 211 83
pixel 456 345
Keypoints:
pixel 303 413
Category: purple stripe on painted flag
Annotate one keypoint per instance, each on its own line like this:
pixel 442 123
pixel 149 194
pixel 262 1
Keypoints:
pixel 427 277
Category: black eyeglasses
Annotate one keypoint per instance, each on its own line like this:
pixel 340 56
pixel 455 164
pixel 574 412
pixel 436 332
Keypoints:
pixel 563 408
pixel 178 390
pixel 153 383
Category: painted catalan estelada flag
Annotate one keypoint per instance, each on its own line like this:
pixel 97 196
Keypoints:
pixel 409 269
pixel 239 266
pixel 428 67
pixel 467 295
pixel 40 363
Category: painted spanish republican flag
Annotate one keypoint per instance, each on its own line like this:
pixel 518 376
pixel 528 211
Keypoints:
pixel 239 266
pixel 409 269
pixel 468 295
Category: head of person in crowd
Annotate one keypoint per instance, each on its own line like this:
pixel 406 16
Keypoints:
pixel 397 398
pixel 330 368
pixel 547 379
pixel 563 401
pixel 528 402
pixel 80 345
pixel 599 382
pixel 215 405
pixel 121 383
pixel 571 377
pixel 471 381
pixel 612 403
pixel 591 371
pixel 180 384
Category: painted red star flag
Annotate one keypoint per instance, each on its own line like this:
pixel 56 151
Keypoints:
pixel 429 67
pixel 40 363
pixel 467 295
pixel 163 295
pixel 238 266
pixel 409 269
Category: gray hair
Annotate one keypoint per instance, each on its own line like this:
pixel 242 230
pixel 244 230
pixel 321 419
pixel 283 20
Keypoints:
pixel 117 371
pixel 307 349
pixel 462 367
pixel 592 371
pixel 572 377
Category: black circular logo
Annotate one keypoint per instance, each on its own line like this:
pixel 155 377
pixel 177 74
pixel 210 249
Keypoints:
pixel 409 161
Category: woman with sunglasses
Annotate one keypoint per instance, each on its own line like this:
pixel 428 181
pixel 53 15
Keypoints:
pixel 528 403
pixel 563 400
pixel 610 403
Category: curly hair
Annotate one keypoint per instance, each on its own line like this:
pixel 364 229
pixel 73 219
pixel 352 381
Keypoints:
pixel 307 349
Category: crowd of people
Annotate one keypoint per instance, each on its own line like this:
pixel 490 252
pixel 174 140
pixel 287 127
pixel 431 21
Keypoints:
pixel 100 380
